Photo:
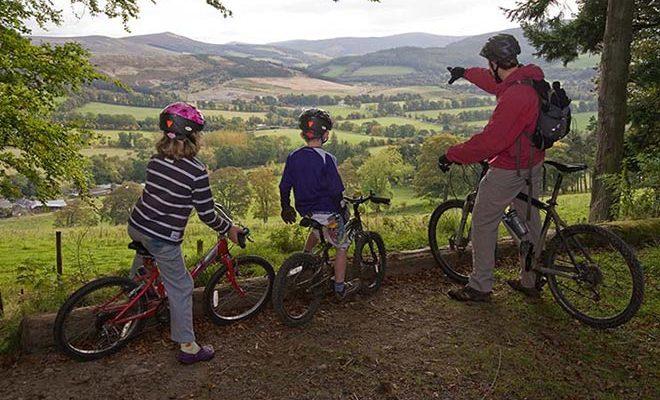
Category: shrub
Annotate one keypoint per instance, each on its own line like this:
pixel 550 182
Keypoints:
pixel 287 238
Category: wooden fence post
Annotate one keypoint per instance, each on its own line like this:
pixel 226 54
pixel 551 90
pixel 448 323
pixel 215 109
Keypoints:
pixel 200 247
pixel 58 251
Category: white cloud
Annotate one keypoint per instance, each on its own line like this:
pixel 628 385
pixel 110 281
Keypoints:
pixel 262 21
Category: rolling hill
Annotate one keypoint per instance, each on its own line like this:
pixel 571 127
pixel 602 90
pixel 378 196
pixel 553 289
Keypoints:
pixel 167 44
pixel 169 62
pixel 422 66
pixel 345 46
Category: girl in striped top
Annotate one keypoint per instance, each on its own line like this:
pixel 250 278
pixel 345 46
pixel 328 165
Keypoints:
pixel 177 182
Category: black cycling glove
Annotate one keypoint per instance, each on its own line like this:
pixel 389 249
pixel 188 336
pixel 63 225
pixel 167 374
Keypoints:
pixel 444 163
pixel 288 214
pixel 456 73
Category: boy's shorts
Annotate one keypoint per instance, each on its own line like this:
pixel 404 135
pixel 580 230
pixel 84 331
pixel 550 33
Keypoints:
pixel 333 229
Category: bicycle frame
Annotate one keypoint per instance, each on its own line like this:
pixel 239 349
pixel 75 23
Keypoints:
pixel 551 217
pixel 218 253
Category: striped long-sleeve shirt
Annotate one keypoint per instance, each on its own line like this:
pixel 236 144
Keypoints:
pixel 173 189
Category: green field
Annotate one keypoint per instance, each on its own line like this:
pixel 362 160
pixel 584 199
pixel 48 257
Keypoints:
pixel 428 92
pixel 451 111
pixel 103 247
pixel 343 111
pixel 294 136
pixel 383 70
pixel 581 120
pixel 144 112
pixel 335 71
pixel 386 121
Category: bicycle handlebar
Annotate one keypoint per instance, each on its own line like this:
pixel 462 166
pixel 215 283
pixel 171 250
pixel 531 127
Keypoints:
pixel 371 197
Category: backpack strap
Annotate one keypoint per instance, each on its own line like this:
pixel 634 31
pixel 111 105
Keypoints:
pixel 528 180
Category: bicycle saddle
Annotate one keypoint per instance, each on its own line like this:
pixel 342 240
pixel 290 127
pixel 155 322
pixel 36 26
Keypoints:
pixel 566 168
pixel 308 222
pixel 139 249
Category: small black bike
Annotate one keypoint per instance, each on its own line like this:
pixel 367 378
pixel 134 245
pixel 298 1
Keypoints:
pixel 592 273
pixel 305 278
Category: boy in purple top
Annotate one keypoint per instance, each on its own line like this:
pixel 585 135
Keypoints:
pixel 318 190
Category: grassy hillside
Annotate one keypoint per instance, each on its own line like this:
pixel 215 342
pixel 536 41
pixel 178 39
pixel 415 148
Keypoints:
pixel 414 65
pixel 382 70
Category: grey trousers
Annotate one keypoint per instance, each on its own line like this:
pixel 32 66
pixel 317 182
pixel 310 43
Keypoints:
pixel 176 279
pixel 497 190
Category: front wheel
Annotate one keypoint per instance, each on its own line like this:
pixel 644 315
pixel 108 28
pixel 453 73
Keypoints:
pixel 98 319
pixel 449 228
pixel 594 276
pixel 298 289
pixel 369 261
pixel 229 299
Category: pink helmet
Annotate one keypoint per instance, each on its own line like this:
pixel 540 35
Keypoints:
pixel 180 119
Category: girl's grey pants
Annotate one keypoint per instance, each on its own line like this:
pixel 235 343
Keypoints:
pixel 176 279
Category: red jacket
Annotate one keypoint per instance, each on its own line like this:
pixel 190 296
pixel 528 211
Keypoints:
pixel 516 113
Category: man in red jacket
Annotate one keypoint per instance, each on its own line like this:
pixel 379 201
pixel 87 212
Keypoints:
pixel 514 162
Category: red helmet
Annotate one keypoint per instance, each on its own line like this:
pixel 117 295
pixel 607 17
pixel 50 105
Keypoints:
pixel 178 120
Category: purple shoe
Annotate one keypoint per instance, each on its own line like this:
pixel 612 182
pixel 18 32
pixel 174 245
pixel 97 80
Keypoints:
pixel 204 354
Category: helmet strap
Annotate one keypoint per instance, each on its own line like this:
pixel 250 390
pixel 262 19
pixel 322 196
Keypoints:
pixel 495 70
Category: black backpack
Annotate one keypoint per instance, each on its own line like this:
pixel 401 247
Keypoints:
pixel 554 121
pixel 552 125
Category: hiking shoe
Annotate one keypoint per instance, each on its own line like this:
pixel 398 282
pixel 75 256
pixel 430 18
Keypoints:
pixel 205 353
pixel 532 292
pixel 466 293
pixel 349 288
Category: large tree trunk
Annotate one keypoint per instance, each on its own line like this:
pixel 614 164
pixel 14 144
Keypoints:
pixel 614 64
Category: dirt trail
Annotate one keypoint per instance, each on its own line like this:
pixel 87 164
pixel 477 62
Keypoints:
pixel 407 342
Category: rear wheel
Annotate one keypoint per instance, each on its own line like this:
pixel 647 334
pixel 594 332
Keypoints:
pixel 369 261
pixel 226 303
pixel 598 279
pixel 298 289
pixel 445 232
pixel 95 321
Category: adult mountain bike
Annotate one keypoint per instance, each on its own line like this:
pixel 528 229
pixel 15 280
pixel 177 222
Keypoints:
pixel 104 315
pixel 592 273
pixel 305 278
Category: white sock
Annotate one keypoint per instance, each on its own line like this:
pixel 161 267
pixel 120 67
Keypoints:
pixel 190 348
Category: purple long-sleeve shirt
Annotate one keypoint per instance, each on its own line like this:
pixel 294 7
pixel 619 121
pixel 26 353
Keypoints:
pixel 312 174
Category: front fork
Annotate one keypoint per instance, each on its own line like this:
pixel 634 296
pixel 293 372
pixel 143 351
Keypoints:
pixel 232 273
pixel 459 240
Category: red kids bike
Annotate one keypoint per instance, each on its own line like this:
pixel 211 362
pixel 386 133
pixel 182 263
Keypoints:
pixel 102 316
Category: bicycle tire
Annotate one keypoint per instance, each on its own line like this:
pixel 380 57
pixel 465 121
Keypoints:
pixel 635 268
pixel 210 298
pixel 444 263
pixel 296 260
pixel 65 311
pixel 362 240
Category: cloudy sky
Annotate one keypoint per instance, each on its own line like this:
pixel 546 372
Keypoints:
pixel 262 21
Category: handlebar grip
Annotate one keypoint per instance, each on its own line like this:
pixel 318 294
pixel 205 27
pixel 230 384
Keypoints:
pixel 242 237
pixel 380 200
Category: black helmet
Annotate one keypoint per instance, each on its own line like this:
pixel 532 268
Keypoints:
pixel 501 47
pixel 314 122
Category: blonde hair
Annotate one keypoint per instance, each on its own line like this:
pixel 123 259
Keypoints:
pixel 178 149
